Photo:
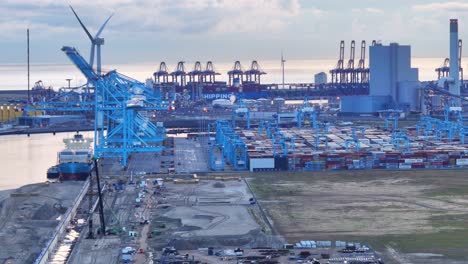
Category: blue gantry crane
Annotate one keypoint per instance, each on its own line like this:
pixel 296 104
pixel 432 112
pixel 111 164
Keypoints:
pixel 306 111
pixel 356 133
pixel 120 128
pixel 241 111
pixel 321 132
pixel 216 157
pixel 233 147
pixel 391 117
pixel 401 140
pixel 119 104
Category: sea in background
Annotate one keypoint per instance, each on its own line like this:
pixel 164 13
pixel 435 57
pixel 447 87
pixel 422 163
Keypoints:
pixel 25 160
pixel 14 76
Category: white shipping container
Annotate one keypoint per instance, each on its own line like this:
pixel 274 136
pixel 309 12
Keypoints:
pixel 404 166
pixel 411 161
pixel 462 162
pixel 364 141
pixel 262 163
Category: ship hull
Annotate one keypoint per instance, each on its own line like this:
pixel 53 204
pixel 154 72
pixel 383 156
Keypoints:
pixel 53 173
pixel 227 95
pixel 74 171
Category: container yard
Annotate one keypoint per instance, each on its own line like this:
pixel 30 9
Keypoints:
pixel 342 148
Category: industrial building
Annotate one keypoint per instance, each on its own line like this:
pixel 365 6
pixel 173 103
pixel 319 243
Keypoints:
pixel 50 120
pixel 320 78
pixel 393 82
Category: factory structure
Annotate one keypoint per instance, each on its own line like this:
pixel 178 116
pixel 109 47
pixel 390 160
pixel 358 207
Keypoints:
pixel 393 83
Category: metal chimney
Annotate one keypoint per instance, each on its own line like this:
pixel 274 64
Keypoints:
pixel 454 87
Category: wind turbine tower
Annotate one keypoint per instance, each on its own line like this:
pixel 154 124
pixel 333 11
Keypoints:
pixel 96 42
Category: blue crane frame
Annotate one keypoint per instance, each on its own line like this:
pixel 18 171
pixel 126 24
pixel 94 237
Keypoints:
pixel 120 128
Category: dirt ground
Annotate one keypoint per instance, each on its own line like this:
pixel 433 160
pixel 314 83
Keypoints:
pixel 207 214
pixel 410 216
pixel 29 216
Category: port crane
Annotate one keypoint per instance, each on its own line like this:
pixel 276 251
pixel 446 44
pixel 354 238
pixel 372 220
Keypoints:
pixel 242 111
pixel 337 74
pixel 306 110
pixel 119 103
pixel 233 147
pixel 350 72
pixel 179 75
pixel 443 71
pixel 254 73
pixel 362 71
pixel 120 127
pixel 81 98
pixel 209 74
pixel 236 73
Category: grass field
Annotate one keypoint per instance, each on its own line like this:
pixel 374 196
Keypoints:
pixel 424 211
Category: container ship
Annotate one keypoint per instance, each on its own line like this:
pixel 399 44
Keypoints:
pixel 220 90
pixel 74 163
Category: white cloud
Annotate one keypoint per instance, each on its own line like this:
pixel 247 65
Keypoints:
pixel 373 10
pixel 187 16
pixel 369 10
pixel 443 6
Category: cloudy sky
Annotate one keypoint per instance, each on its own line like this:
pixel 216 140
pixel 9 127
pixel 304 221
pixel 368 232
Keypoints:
pixel 224 30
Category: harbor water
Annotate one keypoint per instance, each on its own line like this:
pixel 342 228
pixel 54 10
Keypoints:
pixel 25 160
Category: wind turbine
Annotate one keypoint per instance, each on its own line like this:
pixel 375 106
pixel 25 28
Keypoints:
pixel 96 42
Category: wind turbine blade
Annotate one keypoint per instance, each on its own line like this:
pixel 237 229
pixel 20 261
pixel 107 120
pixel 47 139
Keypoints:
pixel 82 25
pixel 103 25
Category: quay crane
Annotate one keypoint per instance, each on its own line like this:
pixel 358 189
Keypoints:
pixel 119 103
pixel 362 71
pixel 350 71
pixel 337 74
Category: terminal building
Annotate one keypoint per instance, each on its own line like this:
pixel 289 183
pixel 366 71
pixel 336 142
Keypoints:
pixel 393 82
